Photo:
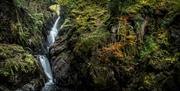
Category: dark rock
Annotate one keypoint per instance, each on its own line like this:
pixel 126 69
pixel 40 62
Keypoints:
pixel 103 78
pixel 175 32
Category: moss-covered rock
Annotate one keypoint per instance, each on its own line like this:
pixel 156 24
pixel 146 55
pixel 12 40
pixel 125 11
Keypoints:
pixel 17 67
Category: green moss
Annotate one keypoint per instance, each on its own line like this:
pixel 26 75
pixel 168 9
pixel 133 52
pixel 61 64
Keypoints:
pixel 162 63
pixel 20 3
pixel 156 52
pixel 65 2
pixel 90 24
pixel 147 2
pixel 90 17
pixel 15 60
pixel 25 23
pixel 150 47
pixel 91 40
pixel 149 80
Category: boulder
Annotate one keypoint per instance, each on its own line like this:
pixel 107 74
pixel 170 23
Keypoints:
pixel 17 68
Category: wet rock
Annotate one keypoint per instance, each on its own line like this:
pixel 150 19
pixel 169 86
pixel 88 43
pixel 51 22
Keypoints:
pixel 52 87
pixel 63 72
pixel 27 87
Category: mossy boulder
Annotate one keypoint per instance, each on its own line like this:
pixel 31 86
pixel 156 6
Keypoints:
pixel 17 67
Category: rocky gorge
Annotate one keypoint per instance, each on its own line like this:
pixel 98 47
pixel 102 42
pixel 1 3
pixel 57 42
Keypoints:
pixel 102 45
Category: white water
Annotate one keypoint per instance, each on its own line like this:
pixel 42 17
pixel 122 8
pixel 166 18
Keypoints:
pixel 43 58
pixel 46 67
pixel 53 33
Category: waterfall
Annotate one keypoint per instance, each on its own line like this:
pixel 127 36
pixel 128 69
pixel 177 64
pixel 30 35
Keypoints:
pixel 46 67
pixel 44 60
pixel 53 33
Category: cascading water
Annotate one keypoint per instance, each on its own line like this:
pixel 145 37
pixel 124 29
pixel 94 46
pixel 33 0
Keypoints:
pixel 53 33
pixel 47 69
pixel 44 60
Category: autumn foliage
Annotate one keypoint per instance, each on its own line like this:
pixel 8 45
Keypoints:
pixel 114 49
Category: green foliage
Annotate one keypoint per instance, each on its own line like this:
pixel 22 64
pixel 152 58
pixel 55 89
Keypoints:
pixel 38 19
pixel 14 61
pixel 17 64
pixel 150 47
pixel 177 3
pixel 90 23
pixel 138 31
pixel 149 80
pixel 91 17
pixel 144 7
pixel 25 23
pixel 91 40
pixel 65 2
pixel 20 32
pixel 20 3
pixel 156 55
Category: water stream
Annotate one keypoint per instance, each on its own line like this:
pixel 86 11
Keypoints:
pixel 53 33
pixel 44 60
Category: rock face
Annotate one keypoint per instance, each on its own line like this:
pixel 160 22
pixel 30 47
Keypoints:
pixel 130 49
pixel 24 23
pixel 17 68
